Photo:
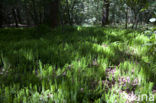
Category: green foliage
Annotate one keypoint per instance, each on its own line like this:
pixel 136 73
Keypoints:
pixel 72 65
pixel 152 50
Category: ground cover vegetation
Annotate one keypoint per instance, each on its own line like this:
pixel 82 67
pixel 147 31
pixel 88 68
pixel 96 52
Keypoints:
pixel 82 64
pixel 77 51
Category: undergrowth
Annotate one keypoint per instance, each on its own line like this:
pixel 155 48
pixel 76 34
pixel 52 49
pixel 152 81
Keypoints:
pixel 74 65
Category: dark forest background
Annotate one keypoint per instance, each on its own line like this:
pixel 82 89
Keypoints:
pixel 76 12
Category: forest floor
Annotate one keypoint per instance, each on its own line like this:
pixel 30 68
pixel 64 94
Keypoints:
pixel 75 65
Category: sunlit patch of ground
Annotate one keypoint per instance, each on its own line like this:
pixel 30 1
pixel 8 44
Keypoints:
pixel 80 64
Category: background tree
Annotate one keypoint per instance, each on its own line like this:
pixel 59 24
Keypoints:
pixel 105 12
pixel 135 6
pixel 52 13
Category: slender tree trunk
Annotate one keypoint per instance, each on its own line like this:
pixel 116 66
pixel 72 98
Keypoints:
pixel 105 17
pixel 126 22
pixel 137 21
pixel 135 17
pixel 14 13
pixel 19 16
pixel 107 12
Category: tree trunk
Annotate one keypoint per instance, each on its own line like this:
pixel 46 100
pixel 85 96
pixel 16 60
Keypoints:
pixel 135 17
pixel 14 13
pixel 52 13
pixel 126 22
pixel 19 16
pixel 105 17
pixel 137 21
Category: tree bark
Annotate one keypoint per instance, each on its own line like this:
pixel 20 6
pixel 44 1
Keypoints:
pixel 14 13
pixel 135 17
pixel 137 21
pixel 105 18
pixel 126 22
pixel 19 16
pixel 52 13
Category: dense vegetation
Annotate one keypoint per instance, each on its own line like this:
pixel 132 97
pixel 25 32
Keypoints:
pixel 77 51
pixel 78 64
